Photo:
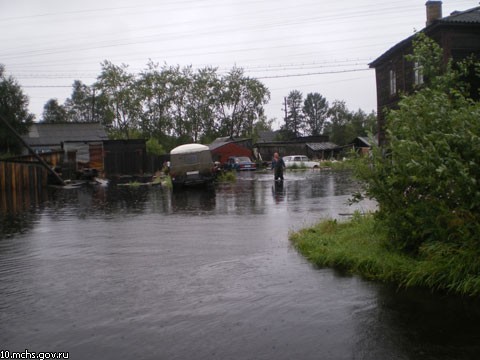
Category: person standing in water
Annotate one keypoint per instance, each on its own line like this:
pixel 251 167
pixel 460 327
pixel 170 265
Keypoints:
pixel 278 165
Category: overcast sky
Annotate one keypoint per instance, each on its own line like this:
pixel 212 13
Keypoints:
pixel 319 46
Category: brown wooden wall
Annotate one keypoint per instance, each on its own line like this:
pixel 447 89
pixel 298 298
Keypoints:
pixel 124 157
pixel 20 182
pixel 53 158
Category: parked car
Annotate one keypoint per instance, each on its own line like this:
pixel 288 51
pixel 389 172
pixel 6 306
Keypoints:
pixel 300 161
pixel 191 164
pixel 240 163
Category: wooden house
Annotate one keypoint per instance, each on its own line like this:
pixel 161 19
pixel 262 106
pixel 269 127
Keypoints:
pixel 84 139
pixel 312 146
pixel 457 34
pixel 322 150
pixel 86 146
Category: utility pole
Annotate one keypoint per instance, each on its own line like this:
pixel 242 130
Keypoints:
pixel 285 109
pixel 93 105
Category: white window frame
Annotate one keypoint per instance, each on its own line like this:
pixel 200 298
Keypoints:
pixel 418 74
pixel 393 82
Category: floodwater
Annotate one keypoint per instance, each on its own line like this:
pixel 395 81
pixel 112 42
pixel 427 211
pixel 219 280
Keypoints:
pixel 143 273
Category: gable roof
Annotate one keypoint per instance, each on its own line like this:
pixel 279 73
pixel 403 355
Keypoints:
pixel 457 18
pixel 322 146
pixel 267 136
pixel 41 134
pixel 470 16
pixel 222 141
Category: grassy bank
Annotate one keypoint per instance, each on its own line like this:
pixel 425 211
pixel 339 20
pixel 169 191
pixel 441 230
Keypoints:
pixel 360 247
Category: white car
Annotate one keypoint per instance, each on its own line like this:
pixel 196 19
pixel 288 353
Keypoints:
pixel 300 161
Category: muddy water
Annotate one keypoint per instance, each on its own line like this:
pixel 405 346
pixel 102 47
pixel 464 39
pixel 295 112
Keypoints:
pixel 117 273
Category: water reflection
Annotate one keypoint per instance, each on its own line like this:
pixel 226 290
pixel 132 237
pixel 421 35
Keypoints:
pixel 418 324
pixel 193 201
pixel 19 201
pixel 144 272
pixel 278 191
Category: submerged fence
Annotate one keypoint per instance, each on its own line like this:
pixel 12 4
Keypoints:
pixel 20 182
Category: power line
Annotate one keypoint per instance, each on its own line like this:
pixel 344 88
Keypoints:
pixel 256 77
pixel 311 73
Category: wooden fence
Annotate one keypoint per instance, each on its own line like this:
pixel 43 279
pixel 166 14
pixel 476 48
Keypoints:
pixel 20 182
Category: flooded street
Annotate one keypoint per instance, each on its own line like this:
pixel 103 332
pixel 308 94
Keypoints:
pixel 143 273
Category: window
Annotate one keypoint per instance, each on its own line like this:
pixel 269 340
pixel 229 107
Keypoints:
pixel 418 74
pixel 393 82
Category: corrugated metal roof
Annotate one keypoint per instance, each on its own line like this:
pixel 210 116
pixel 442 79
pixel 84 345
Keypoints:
pixel 368 140
pixel 322 146
pixel 54 134
pixel 217 144
pixel 470 16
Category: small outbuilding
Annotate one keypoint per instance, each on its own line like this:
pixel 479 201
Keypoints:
pixel 323 150
pixel 222 149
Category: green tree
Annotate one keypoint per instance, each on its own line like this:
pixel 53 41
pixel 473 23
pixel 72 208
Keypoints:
pixel 362 124
pixel 261 125
pixel 201 103
pixel 337 127
pixel 315 112
pixel 294 123
pixel 154 147
pixel 240 103
pixel 425 178
pixel 54 113
pixel 81 104
pixel 119 89
pixel 14 110
pixel 155 88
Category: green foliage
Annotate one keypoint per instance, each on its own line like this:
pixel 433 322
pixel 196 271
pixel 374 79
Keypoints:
pixel 360 246
pixel 172 104
pixel 239 103
pixel 315 110
pixel 227 176
pixel 426 178
pixel 154 147
pixel 300 166
pixel 86 104
pixel 294 122
pixel 317 117
pixel 168 182
pixel 14 110
pixel 349 163
pixel 118 87
pixel 54 113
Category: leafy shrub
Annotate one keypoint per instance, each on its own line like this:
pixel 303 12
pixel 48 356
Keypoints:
pixel 425 178
pixel 227 176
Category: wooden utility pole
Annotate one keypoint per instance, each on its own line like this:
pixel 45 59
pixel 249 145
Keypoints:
pixel 93 105
pixel 42 162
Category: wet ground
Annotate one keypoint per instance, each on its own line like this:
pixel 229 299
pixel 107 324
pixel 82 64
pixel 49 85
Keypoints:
pixel 143 273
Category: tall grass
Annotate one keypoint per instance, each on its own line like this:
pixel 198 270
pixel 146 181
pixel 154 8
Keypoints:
pixel 227 176
pixel 360 246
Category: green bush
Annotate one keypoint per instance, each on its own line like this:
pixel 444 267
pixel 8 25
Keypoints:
pixel 227 176
pixel 425 178
pixel 360 246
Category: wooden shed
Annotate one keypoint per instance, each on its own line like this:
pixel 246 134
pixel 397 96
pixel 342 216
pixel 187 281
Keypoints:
pixel 124 157
pixel 222 150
